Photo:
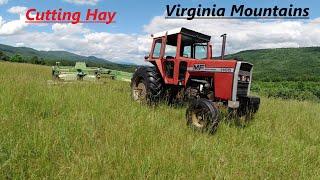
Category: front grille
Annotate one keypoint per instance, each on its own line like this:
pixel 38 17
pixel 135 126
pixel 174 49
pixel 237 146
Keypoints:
pixel 243 86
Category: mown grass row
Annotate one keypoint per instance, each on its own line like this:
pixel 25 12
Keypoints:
pixel 96 131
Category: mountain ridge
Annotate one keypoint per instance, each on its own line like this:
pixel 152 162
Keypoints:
pixel 67 58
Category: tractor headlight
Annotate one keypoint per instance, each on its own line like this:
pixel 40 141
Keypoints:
pixel 243 78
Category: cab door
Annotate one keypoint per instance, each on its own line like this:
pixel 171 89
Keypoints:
pixel 169 61
pixel 164 54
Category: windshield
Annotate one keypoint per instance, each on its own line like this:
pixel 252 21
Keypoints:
pixel 200 51
pixel 195 51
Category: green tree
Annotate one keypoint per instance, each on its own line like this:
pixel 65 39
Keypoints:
pixel 42 61
pixel 34 60
pixel 16 58
pixel 3 56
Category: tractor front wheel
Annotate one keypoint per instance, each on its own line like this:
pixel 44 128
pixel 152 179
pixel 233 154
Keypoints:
pixel 202 115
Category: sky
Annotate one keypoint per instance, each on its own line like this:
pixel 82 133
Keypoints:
pixel 128 39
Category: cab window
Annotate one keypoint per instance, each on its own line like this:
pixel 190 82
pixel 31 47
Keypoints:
pixel 200 51
pixel 170 51
pixel 187 51
pixel 157 49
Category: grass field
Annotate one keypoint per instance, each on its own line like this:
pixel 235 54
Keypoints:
pixel 95 131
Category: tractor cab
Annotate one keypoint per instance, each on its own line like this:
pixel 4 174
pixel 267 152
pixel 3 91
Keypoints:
pixel 173 48
pixel 181 42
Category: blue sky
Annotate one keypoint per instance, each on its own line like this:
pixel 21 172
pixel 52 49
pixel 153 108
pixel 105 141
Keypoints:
pixel 132 15
pixel 129 38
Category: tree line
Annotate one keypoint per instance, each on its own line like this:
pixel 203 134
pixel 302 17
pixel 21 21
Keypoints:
pixel 18 58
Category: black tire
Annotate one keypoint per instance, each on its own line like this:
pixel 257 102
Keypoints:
pixel 147 85
pixel 203 116
pixel 248 107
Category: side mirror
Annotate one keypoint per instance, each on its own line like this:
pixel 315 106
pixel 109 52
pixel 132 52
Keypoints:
pixel 146 57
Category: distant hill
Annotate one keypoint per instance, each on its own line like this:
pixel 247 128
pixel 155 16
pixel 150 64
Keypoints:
pixel 283 64
pixel 67 58
pixel 292 64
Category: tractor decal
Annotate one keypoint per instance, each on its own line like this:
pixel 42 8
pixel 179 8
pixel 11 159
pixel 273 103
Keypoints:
pixel 203 68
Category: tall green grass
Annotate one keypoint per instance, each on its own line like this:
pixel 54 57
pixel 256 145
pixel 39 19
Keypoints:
pixel 96 131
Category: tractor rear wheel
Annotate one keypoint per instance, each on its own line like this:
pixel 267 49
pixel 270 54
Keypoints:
pixel 146 85
pixel 202 115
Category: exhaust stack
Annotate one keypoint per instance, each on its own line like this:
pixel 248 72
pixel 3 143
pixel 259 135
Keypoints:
pixel 224 39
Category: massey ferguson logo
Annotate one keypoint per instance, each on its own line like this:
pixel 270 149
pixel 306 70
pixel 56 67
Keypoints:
pixel 199 67
pixel 203 68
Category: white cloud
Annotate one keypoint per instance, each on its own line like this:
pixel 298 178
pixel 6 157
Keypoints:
pixel 80 40
pixel 69 29
pixel 242 35
pixel 20 44
pixel 3 2
pixel 17 10
pixel 14 26
pixel 245 34
pixel 83 2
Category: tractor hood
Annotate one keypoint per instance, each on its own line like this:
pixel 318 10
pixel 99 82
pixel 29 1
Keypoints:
pixel 212 66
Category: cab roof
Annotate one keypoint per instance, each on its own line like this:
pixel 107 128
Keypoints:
pixel 184 31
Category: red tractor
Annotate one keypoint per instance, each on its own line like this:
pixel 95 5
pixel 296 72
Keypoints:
pixel 184 70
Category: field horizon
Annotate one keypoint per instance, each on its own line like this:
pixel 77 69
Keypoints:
pixel 85 131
